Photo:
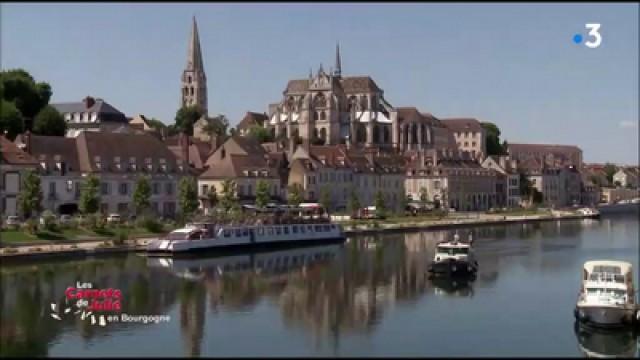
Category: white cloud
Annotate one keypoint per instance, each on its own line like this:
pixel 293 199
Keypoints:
pixel 628 124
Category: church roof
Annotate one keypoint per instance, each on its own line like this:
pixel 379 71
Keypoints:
pixel 350 84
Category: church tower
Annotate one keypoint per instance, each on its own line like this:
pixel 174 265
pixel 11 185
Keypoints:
pixel 194 80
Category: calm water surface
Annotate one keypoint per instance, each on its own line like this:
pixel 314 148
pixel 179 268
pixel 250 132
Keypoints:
pixel 368 297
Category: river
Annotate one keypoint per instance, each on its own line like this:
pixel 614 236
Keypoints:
pixel 370 296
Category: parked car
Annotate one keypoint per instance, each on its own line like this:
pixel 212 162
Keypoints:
pixel 65 219
pixel 12 221
pixel 113 218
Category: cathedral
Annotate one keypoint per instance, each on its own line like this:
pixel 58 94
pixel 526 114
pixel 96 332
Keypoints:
pixel 328 108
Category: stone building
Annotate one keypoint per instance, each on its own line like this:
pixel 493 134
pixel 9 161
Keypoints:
pixel 246 162
pixel 330 109
pixel 14 163
pixel 117 159
pixel 90 114
pixel 508 180
pixel 452 179
pixel 250 120
pixel 342 171
pixel 550 155
pixel 469 136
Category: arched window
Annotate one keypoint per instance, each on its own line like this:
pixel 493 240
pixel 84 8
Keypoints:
pixel 323 135
pixel 376 134
pixel 361 133
pixel 353 103
pixel 323 115
pixel 291 104
pixel 386 136
pixel 364 103
pixel 189 79
pixel 315 115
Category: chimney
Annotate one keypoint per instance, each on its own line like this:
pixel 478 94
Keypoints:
pixel 27 142
pixel 88 102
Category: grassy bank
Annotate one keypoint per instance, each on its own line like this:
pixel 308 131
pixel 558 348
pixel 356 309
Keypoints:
pixel 66 235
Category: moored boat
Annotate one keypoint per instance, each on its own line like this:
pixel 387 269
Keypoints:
pixel 202 236
pixel 587 212
pixel 607 296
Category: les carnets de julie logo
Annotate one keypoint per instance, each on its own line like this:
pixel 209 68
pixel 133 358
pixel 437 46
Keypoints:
pixel 99 306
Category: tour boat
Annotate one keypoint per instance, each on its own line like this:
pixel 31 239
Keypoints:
pixel 454 258
pixel 207 236
pixel 607 296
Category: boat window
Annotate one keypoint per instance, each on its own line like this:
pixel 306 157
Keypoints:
pixel 245 232
pixel 607 269
pixel 286 229
pixel 278 231
pixel 176 236
pixel 195 235
pixel 327 228
pixel 261 231
pixel 238 232
pixel 226 267
pixel 260 263
pixel 302 229
pixel 318 228
pixel 270 231
pixel 453 251
pixel 295 229
pixel 227 233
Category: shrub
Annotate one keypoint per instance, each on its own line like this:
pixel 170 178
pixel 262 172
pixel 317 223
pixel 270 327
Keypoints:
pixel 30 226
pixel 10 251
pixel 121 237
pixel 150 224
pixel 37 249
pixel 49 220
pixel 74 246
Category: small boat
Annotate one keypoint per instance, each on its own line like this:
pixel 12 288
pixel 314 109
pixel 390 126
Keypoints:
pixel 587 212
pixel 454 258
pixel 607 296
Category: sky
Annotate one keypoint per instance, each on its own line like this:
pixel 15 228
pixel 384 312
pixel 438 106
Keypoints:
pixel 512 64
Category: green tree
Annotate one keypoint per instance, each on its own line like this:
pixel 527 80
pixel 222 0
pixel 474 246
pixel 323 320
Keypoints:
pixel 424 195
pixel 30 196
pixel 185 118
pixel 157 124
pixel 610 170
pixel 537 196
pixel 261 134
pixel 354 203
pixel 11 120
pixel 90 196
pixel 212 197
pixel 188 195
pixel 28 96
pixel 294 194
pixel 492 136
pixel 379 202
pixel 262 194
pixel 142 194
pixel 228 198
pixel 217 126
pixel 49 122
pixel 325 197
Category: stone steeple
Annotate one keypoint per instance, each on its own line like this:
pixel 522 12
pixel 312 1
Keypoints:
pixel 194 80
pixel 338 68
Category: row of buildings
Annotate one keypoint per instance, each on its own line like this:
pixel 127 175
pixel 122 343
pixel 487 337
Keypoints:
pixel 334 135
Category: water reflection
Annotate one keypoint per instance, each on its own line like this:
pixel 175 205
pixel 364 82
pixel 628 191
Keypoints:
pixel 328 292
pixel 601 343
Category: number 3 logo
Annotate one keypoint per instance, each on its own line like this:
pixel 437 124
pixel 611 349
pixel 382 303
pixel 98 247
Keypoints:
pixel 594 32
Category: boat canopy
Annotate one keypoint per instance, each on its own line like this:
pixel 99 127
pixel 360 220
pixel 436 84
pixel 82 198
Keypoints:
pixel 608 266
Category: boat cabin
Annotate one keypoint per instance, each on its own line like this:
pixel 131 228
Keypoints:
pixel 610 278
pixel 452 248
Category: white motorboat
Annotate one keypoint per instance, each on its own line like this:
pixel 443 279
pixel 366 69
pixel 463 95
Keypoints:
pixel 607 296
pixel 454 258
pixel 589 212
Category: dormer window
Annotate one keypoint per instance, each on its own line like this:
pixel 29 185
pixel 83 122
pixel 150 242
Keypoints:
pixel 265 173
pixel 245 172
pixel 43 165
pixel 255 173
pixel 163 167
pixel 149 164
pixel 132 164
